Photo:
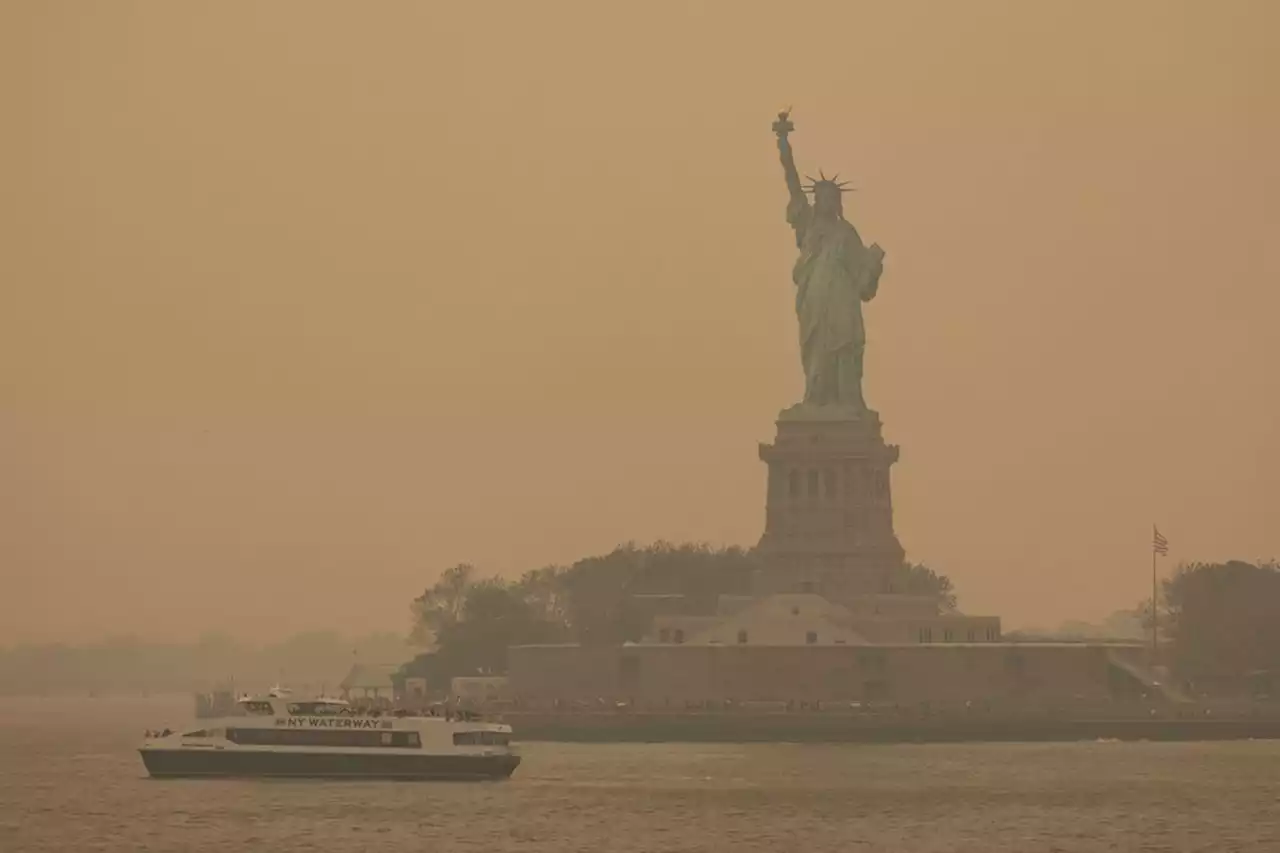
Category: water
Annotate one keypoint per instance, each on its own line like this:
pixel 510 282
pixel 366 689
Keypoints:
pixel 71 780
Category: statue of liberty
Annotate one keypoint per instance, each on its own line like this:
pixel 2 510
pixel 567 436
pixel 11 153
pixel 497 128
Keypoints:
pixel 834 275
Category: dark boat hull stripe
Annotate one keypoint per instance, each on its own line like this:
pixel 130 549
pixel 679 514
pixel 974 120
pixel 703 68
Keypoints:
pixel 174 763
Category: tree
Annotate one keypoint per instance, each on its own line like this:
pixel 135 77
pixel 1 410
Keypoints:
pixel 494 616
pixel 919 579
pixel 599 592
pixel 602 591
pixel 440 605
pixel 468 623
pixel 1224 620
pixel 543 589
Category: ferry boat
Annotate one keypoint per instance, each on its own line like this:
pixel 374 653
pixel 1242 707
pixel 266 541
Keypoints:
pixel 277 735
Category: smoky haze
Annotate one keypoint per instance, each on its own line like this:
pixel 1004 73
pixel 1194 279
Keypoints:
pixel 301 303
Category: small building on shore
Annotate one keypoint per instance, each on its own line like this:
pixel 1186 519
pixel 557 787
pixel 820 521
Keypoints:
pixel 479 689
pixel 369 681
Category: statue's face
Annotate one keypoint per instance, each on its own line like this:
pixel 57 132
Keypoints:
pixel 827 202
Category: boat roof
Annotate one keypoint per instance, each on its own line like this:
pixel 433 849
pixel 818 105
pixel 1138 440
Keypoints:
pixel 314 700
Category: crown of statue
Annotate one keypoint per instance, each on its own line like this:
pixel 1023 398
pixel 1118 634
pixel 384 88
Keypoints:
pixel 832 183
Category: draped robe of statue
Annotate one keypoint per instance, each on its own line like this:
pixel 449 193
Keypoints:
pixel 834 275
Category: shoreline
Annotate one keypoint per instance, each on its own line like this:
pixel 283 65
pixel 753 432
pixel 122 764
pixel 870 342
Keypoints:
pixel 792 728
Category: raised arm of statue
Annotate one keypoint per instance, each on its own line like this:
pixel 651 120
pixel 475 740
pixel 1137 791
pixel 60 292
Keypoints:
pixel 783 127
pixel 798 210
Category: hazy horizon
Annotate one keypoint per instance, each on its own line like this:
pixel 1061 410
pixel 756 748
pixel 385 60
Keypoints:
pixel 305 302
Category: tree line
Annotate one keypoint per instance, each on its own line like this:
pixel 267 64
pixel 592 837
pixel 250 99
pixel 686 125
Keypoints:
pixel 1222 621
pixel 468 621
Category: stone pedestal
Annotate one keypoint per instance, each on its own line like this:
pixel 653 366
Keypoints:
pixel 829 511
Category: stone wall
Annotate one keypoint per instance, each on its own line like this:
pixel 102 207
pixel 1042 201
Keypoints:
pixel 943 628
pixel 798 619
pixel 661 675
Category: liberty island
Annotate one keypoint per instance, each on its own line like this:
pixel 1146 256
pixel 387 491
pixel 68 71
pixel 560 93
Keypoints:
pixel 824 620
pixel 820 632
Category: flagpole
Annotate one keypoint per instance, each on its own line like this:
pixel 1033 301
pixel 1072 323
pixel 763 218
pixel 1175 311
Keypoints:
pixel 1155 609
pixel 1159 548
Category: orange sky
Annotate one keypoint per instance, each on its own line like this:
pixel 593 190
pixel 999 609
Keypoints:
pixel 302 302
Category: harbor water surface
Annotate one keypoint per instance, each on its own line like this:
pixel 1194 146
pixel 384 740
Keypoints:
pixel 71 779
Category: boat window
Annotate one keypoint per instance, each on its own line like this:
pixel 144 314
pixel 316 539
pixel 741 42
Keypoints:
pixel 325 737
pixel 313 709
pixel 259 708
pixel 481 738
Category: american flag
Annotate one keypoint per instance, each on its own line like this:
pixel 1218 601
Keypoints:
pixel 1159 544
